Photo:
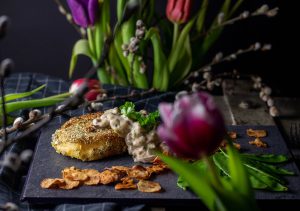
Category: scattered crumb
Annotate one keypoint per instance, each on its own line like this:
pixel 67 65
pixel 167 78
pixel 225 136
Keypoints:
pixel 232 134
pixel 256 133
pixel 237 146
pixel 259 143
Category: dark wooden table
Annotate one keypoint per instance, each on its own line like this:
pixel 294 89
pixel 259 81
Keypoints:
pixel 288 120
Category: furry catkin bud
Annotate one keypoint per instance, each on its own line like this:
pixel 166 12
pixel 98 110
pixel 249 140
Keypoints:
pixel 18 122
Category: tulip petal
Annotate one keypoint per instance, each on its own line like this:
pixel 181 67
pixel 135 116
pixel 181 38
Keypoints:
pixel 194 126
pixel 174 144
pixel 93 11
pixel 79 12
pixel 186 9
pixel 165 111
pixel 170 7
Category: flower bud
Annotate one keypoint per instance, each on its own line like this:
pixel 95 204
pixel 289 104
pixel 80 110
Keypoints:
pixel 18 122
pixel 84 12
pixel 94 88
pixel 35 114
pixel 193 126
pixel 178 11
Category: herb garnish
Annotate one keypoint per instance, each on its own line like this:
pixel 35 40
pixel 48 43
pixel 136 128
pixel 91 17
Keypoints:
pixel 148 122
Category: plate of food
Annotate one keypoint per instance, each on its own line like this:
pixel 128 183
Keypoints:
pixel 109 156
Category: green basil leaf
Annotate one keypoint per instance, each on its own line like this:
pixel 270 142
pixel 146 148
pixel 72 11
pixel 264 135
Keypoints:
pixel 148 122
pixel 127 108
pixel 274 170
pixel 181 183
pixel 271 183
pixel 270 158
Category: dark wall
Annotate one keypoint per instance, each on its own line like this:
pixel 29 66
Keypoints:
pixel 41 40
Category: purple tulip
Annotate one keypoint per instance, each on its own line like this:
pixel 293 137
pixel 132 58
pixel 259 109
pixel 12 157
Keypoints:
pixel 193 126
pixel 84 12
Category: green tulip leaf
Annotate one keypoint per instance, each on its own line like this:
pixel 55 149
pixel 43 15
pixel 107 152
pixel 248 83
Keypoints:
pixel 202 168
pixel 238 172
pixel 120 8
pixel 139 78
pixel 176 52
pixel 81 47
pixel 184 64
pixel 198 182
pixel 15 96
pixel 124 61
pixel 161 71
pixel 201 16
pixel 48 101
pixel 121 77
pixel 214 31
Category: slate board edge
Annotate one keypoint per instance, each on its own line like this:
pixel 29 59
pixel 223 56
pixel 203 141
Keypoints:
pixel 22 196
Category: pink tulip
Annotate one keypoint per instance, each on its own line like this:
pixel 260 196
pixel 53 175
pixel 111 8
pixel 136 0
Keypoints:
pixel 193 126
pixel 178 11
pixel 93 86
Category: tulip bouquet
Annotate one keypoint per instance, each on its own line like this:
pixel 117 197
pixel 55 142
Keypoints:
pixel 148 50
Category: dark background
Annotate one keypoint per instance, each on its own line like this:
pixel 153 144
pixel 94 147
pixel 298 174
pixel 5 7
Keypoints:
pixel 40 40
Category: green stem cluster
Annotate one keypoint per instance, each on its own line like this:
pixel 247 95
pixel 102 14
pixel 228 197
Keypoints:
pixel 174 54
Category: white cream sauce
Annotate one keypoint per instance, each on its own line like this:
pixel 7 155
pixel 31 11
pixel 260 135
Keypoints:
pixel 141 144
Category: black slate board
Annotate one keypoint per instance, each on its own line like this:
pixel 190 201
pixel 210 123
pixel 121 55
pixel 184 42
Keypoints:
pixel 47 163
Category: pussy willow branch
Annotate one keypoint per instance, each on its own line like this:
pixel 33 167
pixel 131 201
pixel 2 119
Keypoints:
pixel 3 108
pixel 3 70
pixel 68 16
pixel 230 57
pixel 262 11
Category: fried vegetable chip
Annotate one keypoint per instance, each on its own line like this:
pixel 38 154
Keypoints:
pixel 156 168
pixel 52 183
pixel 121 168
pixel 127 183
pixel 256 133
pixel 93 177
pixel 138 172
pixel 69 184
pixel 109 176
pixel 74 177
pixel 148 186
pixel 259 143
pixel 74 174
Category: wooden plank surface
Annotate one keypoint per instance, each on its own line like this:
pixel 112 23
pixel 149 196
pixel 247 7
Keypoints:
pixel 237 92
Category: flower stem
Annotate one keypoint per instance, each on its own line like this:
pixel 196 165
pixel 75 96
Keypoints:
pixel 175 34
pixel 212 169
pixel 91 41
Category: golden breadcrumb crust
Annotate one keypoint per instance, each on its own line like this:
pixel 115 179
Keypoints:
pixel 78 138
